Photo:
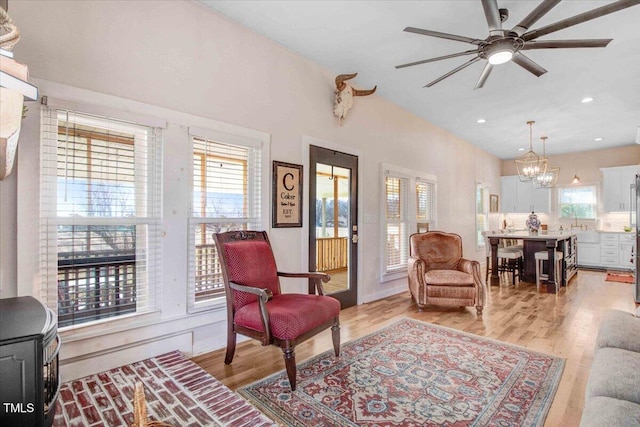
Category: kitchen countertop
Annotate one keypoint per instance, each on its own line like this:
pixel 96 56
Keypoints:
pixel 551 234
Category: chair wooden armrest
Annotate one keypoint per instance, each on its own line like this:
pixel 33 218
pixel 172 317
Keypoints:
pixel 264 295
pixel 316 278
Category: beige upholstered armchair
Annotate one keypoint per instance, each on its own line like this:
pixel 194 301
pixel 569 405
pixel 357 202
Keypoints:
pixel 439 275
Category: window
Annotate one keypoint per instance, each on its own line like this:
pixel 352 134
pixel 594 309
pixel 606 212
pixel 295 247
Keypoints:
pixel 482 215
pixel 226 195
pixel 426 206
pixel 100 216
pixel 577 202
pixel 397 223
pixel 408 207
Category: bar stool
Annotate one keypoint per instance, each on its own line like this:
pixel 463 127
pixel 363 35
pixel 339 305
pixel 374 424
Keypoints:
pixel 544 256
pixel 510 260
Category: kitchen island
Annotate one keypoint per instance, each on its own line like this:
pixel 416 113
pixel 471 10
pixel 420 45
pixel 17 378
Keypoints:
pixel 563 241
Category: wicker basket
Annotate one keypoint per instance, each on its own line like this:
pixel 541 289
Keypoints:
pixel 140 410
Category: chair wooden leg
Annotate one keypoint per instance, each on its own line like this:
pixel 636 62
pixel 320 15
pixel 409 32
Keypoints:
pixel 231 347
pixel 290 364
pixel 479 310
pixel 335 334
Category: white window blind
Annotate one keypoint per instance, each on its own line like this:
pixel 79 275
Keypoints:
pixel 408 206
pixel 226 195
pixel 100 216
pixel 425 202
pixel 397 222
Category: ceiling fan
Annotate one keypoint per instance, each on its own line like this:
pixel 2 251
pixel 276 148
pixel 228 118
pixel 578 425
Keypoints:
pixel 505 45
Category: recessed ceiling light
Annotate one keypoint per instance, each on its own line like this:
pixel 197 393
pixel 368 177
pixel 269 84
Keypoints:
pixel 520 149
pixel 480 121
pixel 587 99
pixel 599 139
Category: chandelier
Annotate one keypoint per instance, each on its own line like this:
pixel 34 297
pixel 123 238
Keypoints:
pixel 549 178
pixel 530 165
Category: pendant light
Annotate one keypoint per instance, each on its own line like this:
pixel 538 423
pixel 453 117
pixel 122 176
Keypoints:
pixel 549 178
pixel 530 165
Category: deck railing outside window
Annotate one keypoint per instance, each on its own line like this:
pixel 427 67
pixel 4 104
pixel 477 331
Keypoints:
pixel 95 285
pixel 98 285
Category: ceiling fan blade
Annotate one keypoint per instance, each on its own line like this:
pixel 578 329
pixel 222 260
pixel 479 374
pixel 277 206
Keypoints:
pixel 484 75
pixel 424 61
pixel 455 70
pixel 534 16
pixel 528 64
pixel 562 44
pixel 578 19
pixel 492 14
pixel 443 35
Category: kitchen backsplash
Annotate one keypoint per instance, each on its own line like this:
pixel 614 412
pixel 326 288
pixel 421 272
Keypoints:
pixel 606 222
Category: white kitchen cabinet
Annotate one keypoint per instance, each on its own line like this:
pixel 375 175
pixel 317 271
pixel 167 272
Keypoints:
pixel 626 256
pixel 523 197
pixel 508 193
pixel 539 199
pixel 588 254
pixel 588 243
pixel 606 250
pixel 616 187
pixel 609 249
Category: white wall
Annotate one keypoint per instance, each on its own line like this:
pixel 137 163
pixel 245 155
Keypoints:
pixel 187 65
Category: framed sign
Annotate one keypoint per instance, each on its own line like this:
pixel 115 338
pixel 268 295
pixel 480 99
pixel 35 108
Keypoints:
pixel 493 203
pixel 287 195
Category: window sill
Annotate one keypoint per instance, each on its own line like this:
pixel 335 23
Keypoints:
pixel 108 326
pixel 215 304
pixel 132 322
pixel 395 275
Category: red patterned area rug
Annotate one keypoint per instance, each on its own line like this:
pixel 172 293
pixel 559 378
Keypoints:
pixel 414 373
pixel 177 392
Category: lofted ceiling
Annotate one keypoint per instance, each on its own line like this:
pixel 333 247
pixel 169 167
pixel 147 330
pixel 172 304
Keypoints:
pixel 367 37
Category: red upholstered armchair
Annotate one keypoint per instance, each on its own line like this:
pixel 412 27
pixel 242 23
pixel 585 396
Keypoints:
pixel 439 275
pixel 255 306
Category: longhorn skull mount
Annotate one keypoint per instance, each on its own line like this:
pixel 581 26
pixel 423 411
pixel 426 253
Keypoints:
pixel 344 95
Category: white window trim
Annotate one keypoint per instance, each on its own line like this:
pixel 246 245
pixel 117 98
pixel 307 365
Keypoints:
pixel 413 177
pixel 239 136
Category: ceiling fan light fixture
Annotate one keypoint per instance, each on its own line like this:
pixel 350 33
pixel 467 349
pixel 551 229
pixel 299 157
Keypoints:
pixel 500 56
pixel 500 51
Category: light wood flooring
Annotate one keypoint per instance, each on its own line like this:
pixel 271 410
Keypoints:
pixel 564 325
